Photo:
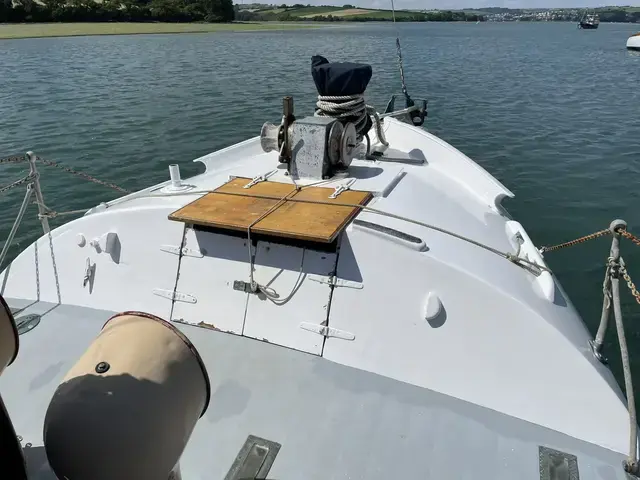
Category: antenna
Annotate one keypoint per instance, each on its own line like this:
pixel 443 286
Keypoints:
pixel 399 50
pixel 416 113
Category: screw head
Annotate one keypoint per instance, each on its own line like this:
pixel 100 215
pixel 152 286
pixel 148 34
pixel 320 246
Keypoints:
pixel 102 367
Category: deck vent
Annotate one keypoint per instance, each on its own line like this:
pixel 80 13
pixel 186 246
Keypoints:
pixel 556 465
pixel 26 323
pixel 254 460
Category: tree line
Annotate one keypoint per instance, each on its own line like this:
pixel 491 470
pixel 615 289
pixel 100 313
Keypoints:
pixel 22 11
pixel 437 16
pixel 618 15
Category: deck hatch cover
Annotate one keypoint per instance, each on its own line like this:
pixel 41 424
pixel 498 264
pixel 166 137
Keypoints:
pixel 254 460
pixel 556 465
pixel 310 216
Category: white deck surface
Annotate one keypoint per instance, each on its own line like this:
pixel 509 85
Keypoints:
pixel 505 340
pixel 333 422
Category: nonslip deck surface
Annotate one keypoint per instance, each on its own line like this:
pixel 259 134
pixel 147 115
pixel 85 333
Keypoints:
pixel 234 207
pixel 333 422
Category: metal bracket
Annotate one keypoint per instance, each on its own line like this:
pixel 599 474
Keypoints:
pixel 557 465
pixel 260 178
pixel 187 252
pixel 254 459
pixel 597 352
pixel 89 272
pixel 335 281
pixel 326 331
pixel 242 286
pixel 342 188
pixel 175 296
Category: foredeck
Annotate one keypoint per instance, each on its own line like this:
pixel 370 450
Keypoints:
pixel 372 287
pixel 332 421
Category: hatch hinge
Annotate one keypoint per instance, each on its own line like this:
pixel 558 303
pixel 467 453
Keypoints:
pixel 326 331
pixel 175 296
pixel 260 178
pixel 343 187
pixel 335 281
pixel 187 252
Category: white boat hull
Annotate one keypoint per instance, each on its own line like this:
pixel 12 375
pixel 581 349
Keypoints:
pixel 634 42
pixel 499 337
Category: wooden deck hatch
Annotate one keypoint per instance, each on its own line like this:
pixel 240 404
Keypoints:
pixel 232 207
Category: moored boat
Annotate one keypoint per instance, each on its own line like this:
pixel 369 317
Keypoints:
pixel 589 21
pixel 633 43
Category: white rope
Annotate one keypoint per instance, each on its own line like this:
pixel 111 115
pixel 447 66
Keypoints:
pixel 528 265
pixel 252 283
pixel 351 108
pixel 272 295
pixel 16 223
pixel 631 464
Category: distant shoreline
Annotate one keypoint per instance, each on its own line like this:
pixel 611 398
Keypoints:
pixel 45 30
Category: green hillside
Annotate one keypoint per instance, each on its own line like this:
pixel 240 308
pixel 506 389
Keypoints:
pixel 344 13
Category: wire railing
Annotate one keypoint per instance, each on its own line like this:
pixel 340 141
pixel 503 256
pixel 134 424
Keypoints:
pixel 33 189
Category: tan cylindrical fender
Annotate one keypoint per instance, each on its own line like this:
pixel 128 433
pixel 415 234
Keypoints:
pixel 127 408
pixel 9 343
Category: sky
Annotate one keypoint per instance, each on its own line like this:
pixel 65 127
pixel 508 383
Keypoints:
pixel 458 4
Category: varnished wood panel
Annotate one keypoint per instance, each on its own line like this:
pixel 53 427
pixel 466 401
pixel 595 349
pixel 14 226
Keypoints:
pixel 233 207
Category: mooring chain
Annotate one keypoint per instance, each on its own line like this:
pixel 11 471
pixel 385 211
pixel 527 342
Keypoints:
pixel 13 159
pixel 629 236
pixel 624 233
pixel 23 158
pixel 630 284
pixel 17 183
pixel 83 175
pixel 577 241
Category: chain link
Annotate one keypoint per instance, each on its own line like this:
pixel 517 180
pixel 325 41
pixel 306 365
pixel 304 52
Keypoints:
pixel 629 236
pixel 630 284
pixel 17 183
pixel 83 175
pixel 577 241
pixel 13 159
pixel 22 158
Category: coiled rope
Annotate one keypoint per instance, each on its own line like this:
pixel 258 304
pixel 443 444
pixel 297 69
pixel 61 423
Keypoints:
pixel 353 109
pixel 348 108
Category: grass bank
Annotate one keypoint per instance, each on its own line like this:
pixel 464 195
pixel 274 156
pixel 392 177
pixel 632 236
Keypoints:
pixel 37 30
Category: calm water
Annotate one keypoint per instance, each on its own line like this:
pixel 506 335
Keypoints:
pixel 551 111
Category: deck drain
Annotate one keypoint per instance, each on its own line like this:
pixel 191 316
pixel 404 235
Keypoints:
pixel 27 323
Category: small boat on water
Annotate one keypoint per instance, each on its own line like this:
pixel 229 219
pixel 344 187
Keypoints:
pixel 589 21
pixel 342 296
pixel 633 43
